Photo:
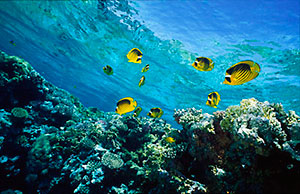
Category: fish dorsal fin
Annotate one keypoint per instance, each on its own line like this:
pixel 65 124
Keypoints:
pixel 254 66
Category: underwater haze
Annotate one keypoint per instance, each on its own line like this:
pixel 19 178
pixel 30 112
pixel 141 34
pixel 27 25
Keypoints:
pixel 69 42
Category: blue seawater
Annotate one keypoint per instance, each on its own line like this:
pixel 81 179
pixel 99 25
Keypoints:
pixel 69 42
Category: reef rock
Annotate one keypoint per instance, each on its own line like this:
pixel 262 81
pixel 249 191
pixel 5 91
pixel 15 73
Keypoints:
pixel 253 147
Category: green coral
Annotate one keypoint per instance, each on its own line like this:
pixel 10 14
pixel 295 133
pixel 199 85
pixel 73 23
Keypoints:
pixel 19 113
pixel 112 160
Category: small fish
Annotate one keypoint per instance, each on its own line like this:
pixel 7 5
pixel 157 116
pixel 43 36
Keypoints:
pixel 108 70
pixel 137 111
pixel 135 55
pixel 155 113
pixel 146 68
pixel 142 81
pixel 125 105
pixel 203 64
pixel 12 42
pixel 241 73
pixel 170 139
pixel 213 99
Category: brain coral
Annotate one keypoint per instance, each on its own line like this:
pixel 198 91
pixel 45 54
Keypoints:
pixel 19 112
pixel 112 161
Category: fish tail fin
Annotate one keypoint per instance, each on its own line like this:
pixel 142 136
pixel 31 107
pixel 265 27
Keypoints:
pixel 134 104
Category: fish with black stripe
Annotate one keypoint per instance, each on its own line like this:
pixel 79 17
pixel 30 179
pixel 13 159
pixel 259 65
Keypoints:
pixel 155 112
pixel 213 99
pixel 241 73
pixel 125 105
pixel 142 81
pixel 135 56
pixel 203 64
pixel 146 68
pixel 108 70
pixel 137 112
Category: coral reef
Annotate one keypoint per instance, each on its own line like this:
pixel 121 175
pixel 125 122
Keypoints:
pixel 252 148
pixel 49 142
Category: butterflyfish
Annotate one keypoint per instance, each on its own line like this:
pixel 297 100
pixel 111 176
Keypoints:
pixel 108 70
pixel 213 99
pixel 135 55
pixel 125 105
pixel 137 111
pixel 155 113
pixel 241 73
pixel 170 139
pixel 146 68
pixel 142 81
pixel 203 64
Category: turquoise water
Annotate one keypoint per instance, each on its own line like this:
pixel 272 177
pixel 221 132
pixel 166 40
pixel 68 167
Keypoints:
pixel 69 42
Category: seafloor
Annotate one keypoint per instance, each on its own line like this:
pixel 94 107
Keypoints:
pixel 51 143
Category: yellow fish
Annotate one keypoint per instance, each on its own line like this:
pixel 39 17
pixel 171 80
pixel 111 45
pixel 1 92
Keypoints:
pixel 146 68
pixel 155 113
pixel 142 81
pixel 108 70
pixel 241 73
pixel 135 55
pixel 170 139
pixel 137 111
pixel 203 64
pixel 213 99
pixel 125 105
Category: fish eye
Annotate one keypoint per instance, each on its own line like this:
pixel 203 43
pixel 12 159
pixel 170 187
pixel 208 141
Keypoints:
pixel 228 79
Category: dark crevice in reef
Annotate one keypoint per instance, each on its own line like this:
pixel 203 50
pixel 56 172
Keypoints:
pixel 283 179
pixel 50 143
